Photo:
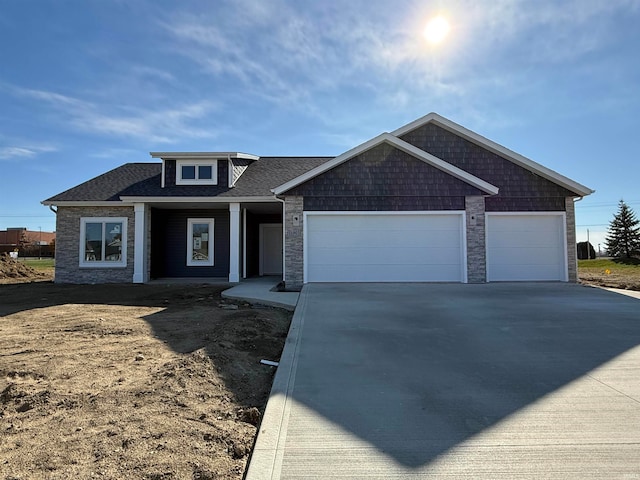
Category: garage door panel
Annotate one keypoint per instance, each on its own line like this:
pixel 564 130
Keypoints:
pixel 386 238
pixel 384 256
pixel 383 247
pixel 525 248
pixel 526 272
pixel 391 273
pixel 533 256
pixel 356 222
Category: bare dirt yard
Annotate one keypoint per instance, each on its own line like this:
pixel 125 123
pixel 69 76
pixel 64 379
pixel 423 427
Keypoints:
pixel 611 272
pixel 131 381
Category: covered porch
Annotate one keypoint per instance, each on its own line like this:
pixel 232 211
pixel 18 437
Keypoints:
pixel 208 239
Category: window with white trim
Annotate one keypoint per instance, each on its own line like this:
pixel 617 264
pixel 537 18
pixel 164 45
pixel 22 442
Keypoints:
pixel 103 242
pixel 200 242
pixel 196 172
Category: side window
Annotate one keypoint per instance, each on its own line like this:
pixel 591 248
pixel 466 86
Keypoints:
pixel 103 242
pixel 200 242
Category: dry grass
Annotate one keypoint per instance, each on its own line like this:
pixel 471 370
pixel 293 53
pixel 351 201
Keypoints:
pixel 615 273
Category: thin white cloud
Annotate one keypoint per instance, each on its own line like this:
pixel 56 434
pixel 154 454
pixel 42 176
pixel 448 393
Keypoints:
pixel 294 56
pixel 163 125
pixel 23 151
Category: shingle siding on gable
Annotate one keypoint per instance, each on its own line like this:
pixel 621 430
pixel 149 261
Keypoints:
pixel 520 189
pixel 239 166
pixel 384 178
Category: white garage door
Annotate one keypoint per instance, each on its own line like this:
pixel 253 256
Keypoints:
pixel 525 247
pixel 357 247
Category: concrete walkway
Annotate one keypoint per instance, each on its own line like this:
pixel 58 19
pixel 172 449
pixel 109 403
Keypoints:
pixel 416 381
pixel 260 290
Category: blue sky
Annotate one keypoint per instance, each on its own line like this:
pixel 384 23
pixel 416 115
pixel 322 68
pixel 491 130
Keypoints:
pixel 86 86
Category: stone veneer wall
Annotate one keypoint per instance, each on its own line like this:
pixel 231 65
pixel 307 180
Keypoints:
pixel 68 246
pixel 293 247
pixel 476 247
pixel 572 261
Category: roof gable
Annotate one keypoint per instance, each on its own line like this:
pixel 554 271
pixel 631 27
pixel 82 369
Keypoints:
pixel 516 158
pixel 401 145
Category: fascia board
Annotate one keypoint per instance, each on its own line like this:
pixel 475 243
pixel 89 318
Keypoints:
pixel 261 199
pixel 202 155
pixel 82 203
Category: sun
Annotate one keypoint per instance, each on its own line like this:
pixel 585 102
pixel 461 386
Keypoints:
pixel 436 30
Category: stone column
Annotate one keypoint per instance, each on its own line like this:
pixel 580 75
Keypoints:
pixel 293 242
pixel 570 218
pixel 476 246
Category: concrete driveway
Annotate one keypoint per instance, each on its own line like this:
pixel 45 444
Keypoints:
pixel 404 381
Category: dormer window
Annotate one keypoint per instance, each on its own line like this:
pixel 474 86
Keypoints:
pixel 196 172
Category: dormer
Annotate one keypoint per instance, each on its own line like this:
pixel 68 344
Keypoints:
pixel 203 168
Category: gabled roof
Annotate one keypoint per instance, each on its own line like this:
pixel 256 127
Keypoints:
pixel 109 186
pixel 496 148
pixel 141 182
pixel 400 144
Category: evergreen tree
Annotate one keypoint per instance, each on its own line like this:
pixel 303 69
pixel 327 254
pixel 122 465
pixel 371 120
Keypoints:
pixel 623 236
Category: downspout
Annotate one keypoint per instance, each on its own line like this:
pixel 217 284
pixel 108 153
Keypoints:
pixel 53 209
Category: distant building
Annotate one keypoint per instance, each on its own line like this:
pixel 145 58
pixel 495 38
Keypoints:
pixel 20 236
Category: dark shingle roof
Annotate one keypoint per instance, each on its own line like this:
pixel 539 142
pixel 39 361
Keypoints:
pixel 144 180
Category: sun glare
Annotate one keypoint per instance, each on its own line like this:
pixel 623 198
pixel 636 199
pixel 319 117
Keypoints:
pixel 436 30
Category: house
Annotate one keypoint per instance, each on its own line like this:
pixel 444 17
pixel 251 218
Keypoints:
pixel 429 202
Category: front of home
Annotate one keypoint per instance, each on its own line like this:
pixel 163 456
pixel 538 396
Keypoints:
pixel 429 202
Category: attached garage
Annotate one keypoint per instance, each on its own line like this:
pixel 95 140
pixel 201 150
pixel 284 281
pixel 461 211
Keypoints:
pixel 526 247
pixel 384 247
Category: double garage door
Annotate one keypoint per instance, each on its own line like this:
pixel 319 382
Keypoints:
pixel 402 247
pixel 429 247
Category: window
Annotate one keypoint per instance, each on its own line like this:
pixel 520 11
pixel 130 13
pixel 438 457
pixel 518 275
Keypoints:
pixel 200 242
pixel 197 172
pixel 103 242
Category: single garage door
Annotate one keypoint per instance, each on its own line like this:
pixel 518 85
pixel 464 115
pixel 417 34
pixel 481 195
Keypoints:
pixel 526 247
pixel 399 247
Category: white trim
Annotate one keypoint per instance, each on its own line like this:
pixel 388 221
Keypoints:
pixel 234 242
pixel 163 175
pixel 218 199
pixel 514 157
pixel 196 163
pixel 202 155
pixel 230 183
pixel 244 243
pixel 463 231
pixel 211 240
pixel 73 203
pixel 521 214
pixel 401 145
pixel 140 242
pixel 83 263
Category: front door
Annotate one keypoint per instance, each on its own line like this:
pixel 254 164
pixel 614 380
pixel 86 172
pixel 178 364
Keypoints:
pixel 270 249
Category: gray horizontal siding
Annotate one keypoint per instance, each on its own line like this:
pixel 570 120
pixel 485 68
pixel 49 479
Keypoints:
pixel 169 244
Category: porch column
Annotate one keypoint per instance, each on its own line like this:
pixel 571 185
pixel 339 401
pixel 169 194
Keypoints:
pixel 139 248
pixel 234 242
